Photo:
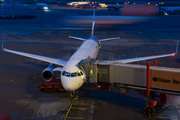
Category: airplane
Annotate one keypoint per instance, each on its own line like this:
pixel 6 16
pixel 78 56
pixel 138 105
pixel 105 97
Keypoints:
pixel 42 6
pixel 72 75
pixel 76 3
pixel 115 7
pixel 168 10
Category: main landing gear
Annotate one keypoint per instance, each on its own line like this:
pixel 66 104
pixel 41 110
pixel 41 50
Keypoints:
pixel 74 94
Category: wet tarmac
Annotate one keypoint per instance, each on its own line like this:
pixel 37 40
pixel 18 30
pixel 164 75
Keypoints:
pixel 47 35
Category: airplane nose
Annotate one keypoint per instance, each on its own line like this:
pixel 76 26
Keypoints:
pixel 71 83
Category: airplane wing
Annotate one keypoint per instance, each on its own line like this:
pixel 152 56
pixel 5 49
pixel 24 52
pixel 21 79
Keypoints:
pixel 37 57
pixel 77 38
pixel 109 39
pixel 142 58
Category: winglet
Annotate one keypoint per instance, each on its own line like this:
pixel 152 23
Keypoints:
pixel 176 48
pixel 92 32
pixel 3 45
pixel 173 54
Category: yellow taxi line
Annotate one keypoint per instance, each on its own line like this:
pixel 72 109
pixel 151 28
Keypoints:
pixel 76 117
pixel 78 108
pixel 69 108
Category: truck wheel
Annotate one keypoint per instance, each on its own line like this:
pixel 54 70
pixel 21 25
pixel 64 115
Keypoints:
pixel 42 90
pixel 56 90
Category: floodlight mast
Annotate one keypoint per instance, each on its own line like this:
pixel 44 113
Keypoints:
pixel 12 14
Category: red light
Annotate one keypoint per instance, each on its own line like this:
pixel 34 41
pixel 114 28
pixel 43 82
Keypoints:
pixel 99 86
pixel 173 54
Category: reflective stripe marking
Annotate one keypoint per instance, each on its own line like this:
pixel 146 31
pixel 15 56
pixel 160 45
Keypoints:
pixel 69 108
pixel 78 108
pixel 76 117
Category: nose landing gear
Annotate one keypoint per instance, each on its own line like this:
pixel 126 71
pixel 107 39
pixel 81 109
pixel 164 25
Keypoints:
pixel 74 94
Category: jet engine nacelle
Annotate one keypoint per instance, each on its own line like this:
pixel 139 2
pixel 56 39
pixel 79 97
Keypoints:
pixel 48 73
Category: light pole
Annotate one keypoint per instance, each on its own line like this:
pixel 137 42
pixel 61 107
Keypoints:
pixel 12 9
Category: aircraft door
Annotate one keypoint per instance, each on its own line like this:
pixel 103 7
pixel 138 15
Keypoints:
pixel 83 73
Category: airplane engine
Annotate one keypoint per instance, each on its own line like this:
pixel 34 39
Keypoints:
pixel 48 73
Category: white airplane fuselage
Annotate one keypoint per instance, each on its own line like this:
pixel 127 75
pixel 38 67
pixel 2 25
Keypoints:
pixel 72 76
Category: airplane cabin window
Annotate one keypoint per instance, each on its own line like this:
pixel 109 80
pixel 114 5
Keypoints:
pixel 74 74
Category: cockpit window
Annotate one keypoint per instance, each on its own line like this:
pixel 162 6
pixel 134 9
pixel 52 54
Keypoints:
pixel 79 73
pixel 63 72
pixel 67 74
pixel 74 74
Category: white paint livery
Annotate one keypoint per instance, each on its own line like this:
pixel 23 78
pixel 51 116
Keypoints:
pixel 72 75
pixel 89 49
